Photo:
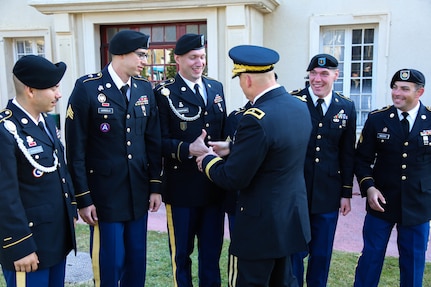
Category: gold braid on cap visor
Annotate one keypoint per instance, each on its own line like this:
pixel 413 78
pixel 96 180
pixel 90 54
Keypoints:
pixel 238 69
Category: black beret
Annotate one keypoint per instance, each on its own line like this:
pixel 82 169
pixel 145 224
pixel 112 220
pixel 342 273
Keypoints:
pixel 188 42
pixel 252 59
pixel 408 75
pixel 323 61
pixel 37 72
pixel 127 41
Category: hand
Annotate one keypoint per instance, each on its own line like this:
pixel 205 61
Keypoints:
pixel 27 264
pixel 199 159
pixel 221 148
pixel 345 206
pixel 373 198
pixel 155 202
pixel 89 215
pixel 198 147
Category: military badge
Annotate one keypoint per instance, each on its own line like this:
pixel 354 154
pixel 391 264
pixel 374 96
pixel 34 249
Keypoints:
pixel 405 75
pixel 218 99
pixel 321 61
pixel 143 100
pixel 183 126
pixel 105 127
pixel 37 173
pixel 101 98
pixel 100 88
pixel 30 141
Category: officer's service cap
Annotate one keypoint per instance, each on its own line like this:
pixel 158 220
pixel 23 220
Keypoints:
pixel 408 75
pixel 127 41
pixel 323 61
pixel 252 59
pixel 38 72
pixel 188 42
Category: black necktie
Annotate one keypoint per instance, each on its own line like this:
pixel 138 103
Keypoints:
pixel 319 107
pixel 405 124
pixel 198 94
pixel 124 92
pixel 42 127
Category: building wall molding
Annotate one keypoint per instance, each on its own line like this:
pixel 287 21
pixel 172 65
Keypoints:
pixel 81 6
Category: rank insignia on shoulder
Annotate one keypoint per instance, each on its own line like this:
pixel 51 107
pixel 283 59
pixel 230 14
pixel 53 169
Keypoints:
pixel 259 114
pixel 69 112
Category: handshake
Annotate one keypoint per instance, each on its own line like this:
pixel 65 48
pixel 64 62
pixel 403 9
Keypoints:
pixel 200 150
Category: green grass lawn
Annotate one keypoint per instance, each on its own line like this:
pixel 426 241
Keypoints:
pixel 159 268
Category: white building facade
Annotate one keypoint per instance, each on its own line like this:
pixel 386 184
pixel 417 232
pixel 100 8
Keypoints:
pixel 371 39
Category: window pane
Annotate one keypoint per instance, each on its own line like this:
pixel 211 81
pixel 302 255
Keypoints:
pixel 355 99
pixel 20 47
pixel 366 103
pixel 157 34
pixel 366 86
pixel 357 36
pixel 356 53
pixel 368 52
pixel 203 30
pixel 170 34
pixel 367 70
pixel 369 36
pixel 192 29
pixel 146 31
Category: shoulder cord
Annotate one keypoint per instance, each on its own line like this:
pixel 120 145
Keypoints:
pixel 184 118
pixel 10 126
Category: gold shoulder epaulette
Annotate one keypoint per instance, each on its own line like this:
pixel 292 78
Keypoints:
pixel 255 112
pixel 91 77
pixel 5 114
pixel 343 96
pixel 140 78
pixel 295 92
pixel 381 110
pixel 167 82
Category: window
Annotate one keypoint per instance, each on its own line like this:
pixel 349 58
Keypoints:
pixel 161 62
pixel 32 46
pixel 354 47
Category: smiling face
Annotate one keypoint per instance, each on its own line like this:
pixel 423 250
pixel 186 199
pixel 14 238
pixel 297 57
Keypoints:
pixel 405 95
pixel 192 64
pixel 322 80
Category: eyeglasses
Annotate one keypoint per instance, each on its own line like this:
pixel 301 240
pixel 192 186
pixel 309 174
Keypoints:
pixel 141 55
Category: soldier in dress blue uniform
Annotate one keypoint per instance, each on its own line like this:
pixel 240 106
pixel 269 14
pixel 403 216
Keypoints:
pixel 266 164
pixel 393 164
pixel 114 154
pixel 37 202
pixel 329 166
pixel 192 111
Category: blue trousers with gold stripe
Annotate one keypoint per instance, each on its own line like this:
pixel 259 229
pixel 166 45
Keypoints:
pixel 119 253
pixel 186 223
pixel 412 244
pixel 49 277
